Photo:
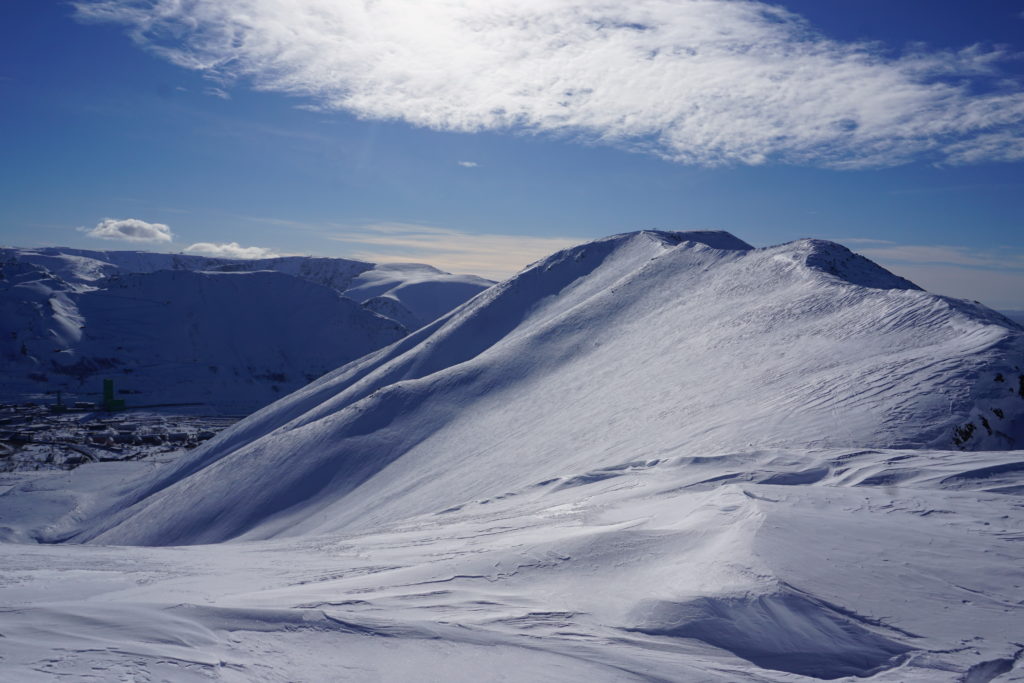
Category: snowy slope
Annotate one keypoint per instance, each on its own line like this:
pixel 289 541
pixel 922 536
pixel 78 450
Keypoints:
pixel 233 341
pixel 211 337
pixel 420 291
pixel 634 348
pixel 768 565
pixel 234 334
pixel 78 265
pixel 656 457
pixel 411 293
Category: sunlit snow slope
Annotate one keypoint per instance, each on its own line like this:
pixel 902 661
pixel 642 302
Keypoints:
pixel 631 349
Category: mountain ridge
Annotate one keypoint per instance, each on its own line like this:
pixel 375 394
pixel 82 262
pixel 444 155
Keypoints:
pixel 633 347
pixel 49 343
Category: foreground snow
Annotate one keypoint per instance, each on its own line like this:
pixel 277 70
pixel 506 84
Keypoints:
pixel 771 565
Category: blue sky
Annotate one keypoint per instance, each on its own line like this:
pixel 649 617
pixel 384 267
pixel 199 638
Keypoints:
pixel 480 136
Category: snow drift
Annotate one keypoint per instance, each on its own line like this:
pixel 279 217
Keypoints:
pixel 629 350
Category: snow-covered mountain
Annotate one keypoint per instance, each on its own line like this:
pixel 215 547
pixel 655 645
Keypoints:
pixel 630 349
pixel 227 333
pixel 654 457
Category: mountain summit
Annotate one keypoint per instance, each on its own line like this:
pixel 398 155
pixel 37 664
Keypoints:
pixel 630 349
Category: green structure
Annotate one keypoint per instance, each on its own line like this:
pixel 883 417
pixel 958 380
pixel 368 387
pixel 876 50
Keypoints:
pixel 109 402
pixel 59 406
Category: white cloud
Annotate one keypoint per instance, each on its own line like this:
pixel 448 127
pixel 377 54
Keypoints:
pixel 494 256
pixel 129 230
pixel 217 92
pixel 695 81
pixel 230 250
pixel 468 164
pixel 1001 146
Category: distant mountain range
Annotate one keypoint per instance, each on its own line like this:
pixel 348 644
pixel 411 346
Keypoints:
pixel 171 328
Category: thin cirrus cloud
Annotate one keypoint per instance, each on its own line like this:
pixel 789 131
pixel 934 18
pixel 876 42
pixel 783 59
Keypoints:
pixel 129 230
pixel 706 82
pixel 493 256
pixel 949 255
pixel 217 92
pixel 229 250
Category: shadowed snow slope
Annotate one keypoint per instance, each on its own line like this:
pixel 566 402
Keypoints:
pixel 636 347
pixel 422 290
pixel 412 293
pixel 230 333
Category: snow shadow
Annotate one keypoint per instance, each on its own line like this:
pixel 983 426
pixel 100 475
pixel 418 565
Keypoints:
pixel 784 631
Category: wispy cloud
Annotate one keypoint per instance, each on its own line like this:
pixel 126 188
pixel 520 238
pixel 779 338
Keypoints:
pixel 949 255
pixel 287 223
pixel 695 81
pixel 862 240
pixel 230 250
pixel 129 230
pixel 494 256
pixel 468 164
pixel 217 92
pixel 1005 145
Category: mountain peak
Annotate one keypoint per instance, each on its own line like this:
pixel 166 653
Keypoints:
pixel 651 344
pixel 716 239
pixel 838 261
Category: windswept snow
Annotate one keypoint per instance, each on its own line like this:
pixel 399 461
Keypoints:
pixel 412 293
pixel 640 346
pixel 658 456
pixel 770 565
